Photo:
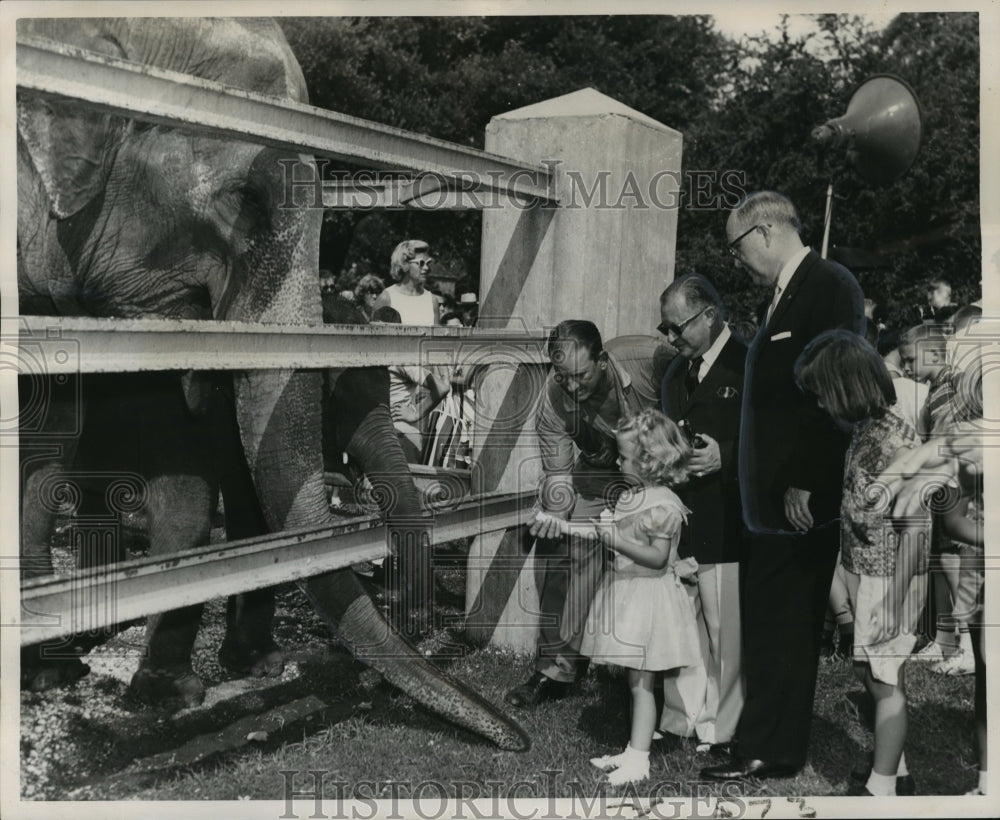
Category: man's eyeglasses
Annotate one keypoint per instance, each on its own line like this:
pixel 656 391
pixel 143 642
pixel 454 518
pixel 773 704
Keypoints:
pixel 734 245
pixel 666 328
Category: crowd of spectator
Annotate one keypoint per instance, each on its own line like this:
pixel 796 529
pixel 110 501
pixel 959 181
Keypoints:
pixel 432 408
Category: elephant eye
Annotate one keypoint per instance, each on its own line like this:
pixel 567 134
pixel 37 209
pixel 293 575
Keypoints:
pixel 242 211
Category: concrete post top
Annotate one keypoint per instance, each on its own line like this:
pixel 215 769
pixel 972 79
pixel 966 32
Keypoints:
pixel 587 102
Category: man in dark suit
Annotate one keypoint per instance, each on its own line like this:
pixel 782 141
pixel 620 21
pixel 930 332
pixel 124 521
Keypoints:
pixel 702 390
pixel 790 464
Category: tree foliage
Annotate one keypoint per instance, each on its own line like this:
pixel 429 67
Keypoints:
pixel 747 106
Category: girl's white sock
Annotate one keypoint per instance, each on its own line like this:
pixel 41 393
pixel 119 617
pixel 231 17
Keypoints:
pixel 901 770
pixel 881 785
pixel 632 768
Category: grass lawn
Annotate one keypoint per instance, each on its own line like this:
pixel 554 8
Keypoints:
pixel 89 742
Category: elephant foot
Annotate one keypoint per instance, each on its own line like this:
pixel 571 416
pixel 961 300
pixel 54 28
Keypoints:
pixel 240 660
pixel 48 674
pixel 169 687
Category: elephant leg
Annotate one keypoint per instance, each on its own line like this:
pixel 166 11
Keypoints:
pixel 175 452
pixel 165 674
pixel 51 414
pixel 249 647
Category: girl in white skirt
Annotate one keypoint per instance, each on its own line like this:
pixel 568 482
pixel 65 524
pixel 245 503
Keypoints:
pixel 642 618
pixel 885 560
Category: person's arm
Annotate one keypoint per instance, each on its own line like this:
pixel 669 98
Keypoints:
pixel 556 494
pixel 658 528
pixel 425 399
pixel 430 390
pixel 654 552
pixel 956 524
pixel 383 300
pixel 953 459
pixel 819 448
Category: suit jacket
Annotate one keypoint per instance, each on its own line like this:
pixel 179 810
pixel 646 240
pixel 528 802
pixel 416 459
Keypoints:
pixel 715 527
pixel 786 440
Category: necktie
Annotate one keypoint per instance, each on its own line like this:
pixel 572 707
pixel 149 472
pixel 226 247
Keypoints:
pixel 773 305
pixel 691 379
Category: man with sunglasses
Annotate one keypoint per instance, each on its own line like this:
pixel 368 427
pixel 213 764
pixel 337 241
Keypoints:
pixel 790 465
pixel 702 390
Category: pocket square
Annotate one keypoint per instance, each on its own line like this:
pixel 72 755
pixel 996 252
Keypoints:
pixel 785 334
pixel 727 392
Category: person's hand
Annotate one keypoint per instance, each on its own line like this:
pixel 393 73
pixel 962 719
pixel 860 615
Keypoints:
pixel 686 569
pixel 706 460
pixel 547 525
pixel 797 508
pixel 409 413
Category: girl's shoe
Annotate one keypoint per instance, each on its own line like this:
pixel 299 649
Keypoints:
pixel 957 665
pixel 608 761
pixel 905 785
pixel 632 770
pixel 933 653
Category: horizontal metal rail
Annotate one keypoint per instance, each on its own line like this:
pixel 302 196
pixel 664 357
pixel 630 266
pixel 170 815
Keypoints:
pixel 53 345
pixel 103 596
pixel 117 86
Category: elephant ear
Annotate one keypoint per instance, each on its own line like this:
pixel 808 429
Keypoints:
pixel 72 149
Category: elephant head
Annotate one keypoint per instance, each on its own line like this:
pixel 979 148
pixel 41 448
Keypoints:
pixel 119 218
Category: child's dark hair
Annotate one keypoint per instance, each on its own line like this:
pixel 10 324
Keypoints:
pixel 664 451
pixel 847 375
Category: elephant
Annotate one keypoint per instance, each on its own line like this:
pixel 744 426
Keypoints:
pixel 126 219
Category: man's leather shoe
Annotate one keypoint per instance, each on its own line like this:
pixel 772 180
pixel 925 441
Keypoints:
pixel 719 750
pixel 740 768
pixel 536 689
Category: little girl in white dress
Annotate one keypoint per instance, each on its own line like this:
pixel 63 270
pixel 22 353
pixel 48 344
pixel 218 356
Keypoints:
pixel 642 617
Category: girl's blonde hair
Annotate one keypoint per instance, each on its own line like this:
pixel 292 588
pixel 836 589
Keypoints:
pixel 663 451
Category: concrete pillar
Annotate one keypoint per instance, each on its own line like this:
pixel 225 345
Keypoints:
pixel 604 254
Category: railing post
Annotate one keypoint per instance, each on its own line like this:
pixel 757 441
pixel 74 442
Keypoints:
pixel 604 254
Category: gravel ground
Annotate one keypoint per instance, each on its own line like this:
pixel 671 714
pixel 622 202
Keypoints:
pixel 91 740
pixel 93 728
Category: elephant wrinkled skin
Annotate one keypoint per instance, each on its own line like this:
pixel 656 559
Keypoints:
pixel 118 218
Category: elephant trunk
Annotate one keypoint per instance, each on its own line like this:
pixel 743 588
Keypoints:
pixel 376 447
pixel 350 613
pixel 286 464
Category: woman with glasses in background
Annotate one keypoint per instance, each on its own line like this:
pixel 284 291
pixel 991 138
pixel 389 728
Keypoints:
pixel 409 267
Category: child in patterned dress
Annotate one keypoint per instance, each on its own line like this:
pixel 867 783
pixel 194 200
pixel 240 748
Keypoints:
pixel 642 618
pixel 885 560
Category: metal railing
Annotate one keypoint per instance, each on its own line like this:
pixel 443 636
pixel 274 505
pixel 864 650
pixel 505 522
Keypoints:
pixel 53 607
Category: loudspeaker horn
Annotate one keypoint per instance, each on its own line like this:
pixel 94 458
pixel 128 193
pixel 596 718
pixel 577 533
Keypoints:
pixel 881 129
